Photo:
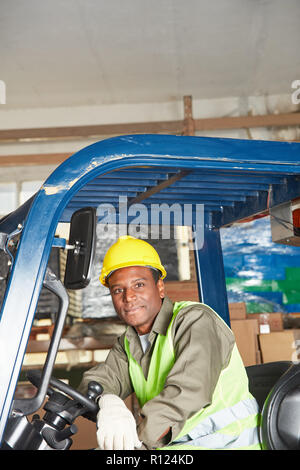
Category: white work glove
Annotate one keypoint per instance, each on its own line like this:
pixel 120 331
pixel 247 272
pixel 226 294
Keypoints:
pixel 116 425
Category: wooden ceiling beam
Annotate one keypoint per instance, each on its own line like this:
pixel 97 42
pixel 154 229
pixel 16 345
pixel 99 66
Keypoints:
pixel 33 160
pixel 186 126
pixel 81 132
pixel 247 122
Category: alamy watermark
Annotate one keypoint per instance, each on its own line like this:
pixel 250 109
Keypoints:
pixel 126 219
pixel 2 92
pixel 296 93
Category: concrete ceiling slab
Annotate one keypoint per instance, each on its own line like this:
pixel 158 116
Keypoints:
pixel 94 52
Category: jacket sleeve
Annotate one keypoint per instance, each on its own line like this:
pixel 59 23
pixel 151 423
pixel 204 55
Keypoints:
pixel 203 346
pixel 111 374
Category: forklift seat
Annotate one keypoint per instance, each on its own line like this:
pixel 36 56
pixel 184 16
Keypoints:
pixel 276 387
pixel 263 377
pixel 280 425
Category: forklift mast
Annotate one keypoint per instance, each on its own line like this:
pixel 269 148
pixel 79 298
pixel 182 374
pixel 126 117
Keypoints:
pixel 204 183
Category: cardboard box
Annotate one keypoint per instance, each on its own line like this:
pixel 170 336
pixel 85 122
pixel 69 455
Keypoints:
pixel 246 336
pixel 182 290
pixel 274 321
pixel 280 346
pixel 237 311
pixel 291 321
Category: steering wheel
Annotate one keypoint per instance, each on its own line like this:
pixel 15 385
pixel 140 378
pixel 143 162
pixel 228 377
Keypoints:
pixel 88 402
pixel 55 428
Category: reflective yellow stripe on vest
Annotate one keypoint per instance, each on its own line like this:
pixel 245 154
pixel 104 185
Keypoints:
pixel 230 422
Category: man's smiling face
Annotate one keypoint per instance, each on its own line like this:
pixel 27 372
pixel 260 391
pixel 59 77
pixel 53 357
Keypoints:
pixel 136 297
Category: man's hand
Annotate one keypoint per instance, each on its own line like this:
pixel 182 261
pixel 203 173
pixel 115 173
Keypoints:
pixel 116 425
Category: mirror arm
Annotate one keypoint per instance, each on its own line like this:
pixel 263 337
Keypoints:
pixel 62 243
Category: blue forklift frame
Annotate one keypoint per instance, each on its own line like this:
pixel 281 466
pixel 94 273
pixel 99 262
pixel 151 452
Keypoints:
pixel 231 180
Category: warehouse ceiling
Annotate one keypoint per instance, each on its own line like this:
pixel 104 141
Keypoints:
pixel 94 52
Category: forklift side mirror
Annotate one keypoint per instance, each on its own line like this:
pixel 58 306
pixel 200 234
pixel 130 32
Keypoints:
pixel 82 240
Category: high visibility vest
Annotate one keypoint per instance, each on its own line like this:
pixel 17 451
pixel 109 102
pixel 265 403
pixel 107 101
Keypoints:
pixel 232 419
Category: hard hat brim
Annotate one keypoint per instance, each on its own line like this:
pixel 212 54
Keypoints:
pixel 104 276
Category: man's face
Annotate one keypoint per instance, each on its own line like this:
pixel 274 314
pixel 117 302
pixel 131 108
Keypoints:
pixel 136 297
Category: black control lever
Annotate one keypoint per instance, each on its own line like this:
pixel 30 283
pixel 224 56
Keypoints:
pixel 94 390
pixel 59 439
pixel 66 433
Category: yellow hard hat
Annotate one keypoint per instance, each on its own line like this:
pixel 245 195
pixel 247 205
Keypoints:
pixel 130 251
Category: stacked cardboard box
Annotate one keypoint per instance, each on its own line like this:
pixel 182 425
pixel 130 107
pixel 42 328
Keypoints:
pixel 276 343
pixel 246 333
pixel 280 346
pixel 182 290
pixel 261 337
pixel 268 322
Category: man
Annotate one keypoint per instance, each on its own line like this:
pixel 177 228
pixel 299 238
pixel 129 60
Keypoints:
pixel 180 360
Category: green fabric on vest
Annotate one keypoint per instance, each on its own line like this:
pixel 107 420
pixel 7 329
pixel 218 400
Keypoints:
pixel 225 396
pixel 158 370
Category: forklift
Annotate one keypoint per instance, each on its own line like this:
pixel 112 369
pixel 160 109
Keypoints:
pixel 207 184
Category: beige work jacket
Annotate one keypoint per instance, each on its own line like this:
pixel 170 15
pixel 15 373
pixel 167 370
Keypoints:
pixel 203 346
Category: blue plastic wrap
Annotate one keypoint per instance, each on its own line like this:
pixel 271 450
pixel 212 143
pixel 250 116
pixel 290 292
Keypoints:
pixel 264 274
